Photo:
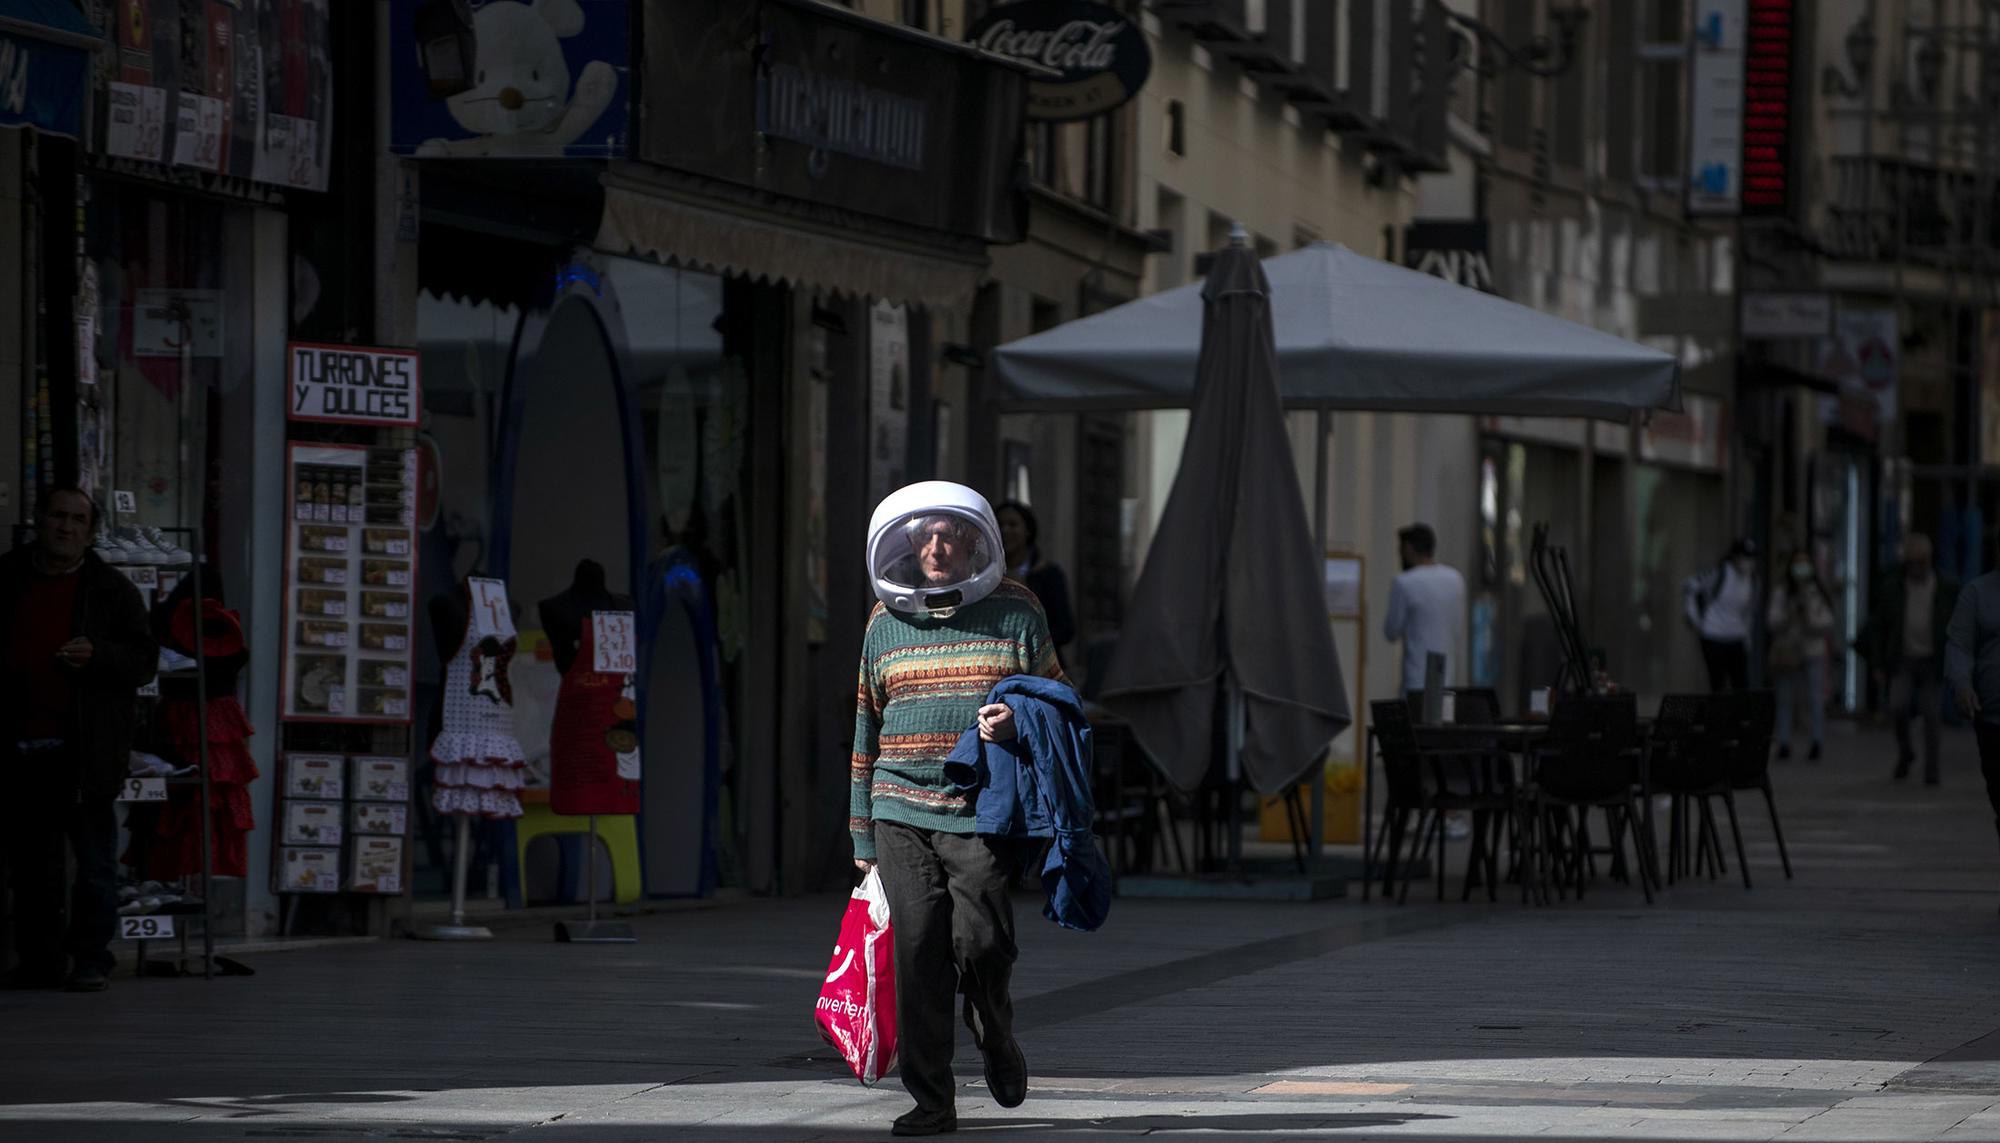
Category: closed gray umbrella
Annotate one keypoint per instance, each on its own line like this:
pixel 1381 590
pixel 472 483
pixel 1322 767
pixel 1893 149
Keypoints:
pixel 1231 595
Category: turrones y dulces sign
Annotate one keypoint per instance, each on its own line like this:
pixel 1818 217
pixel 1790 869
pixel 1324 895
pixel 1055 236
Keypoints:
pixel 1102 54
pixel 351 384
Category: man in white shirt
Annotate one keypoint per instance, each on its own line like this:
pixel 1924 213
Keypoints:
pixel 1426 607
pixel 1718 605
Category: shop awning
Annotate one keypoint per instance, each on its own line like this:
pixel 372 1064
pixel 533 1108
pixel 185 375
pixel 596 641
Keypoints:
pixel 47 45
pixel 663 226
pixel 1353 332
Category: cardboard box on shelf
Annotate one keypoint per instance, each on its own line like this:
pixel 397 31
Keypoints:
pixel 316 776
pixel 309 870
pixel 313 823
pixel 375 865
pixel 380 778
pixel 383 819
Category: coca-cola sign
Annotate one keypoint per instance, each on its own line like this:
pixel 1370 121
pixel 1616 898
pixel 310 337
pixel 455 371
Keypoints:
pixel 1102 55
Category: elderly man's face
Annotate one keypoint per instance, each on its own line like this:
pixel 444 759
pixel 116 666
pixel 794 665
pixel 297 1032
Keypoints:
pixel 65 527
pixel 944 550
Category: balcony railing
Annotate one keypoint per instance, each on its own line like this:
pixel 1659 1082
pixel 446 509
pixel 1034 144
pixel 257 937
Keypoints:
pixel 1890 209
pixel 1361 80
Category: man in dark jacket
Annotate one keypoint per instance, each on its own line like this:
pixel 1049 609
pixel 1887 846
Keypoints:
pixel 74 650
pixel 1908 614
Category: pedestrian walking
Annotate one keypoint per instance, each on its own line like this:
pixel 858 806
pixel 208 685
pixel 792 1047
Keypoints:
pixel 1718 605
pixel 947 628
pixel 76 650
pixel 1020 534
pixel 1799 618
pixel 1972 668
pixel 1426 606
pixel 1904 643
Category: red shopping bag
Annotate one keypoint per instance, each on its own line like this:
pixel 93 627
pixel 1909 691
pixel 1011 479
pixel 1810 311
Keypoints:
pixel 857 1004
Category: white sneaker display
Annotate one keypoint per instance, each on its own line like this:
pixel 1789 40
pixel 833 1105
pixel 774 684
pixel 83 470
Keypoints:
pixel 141 551
pixel 110 550
pixel 174 552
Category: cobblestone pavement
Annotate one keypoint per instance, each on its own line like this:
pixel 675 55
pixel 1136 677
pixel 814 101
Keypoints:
pixel 1858 1001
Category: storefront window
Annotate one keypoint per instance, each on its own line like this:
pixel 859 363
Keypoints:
pixel 165 370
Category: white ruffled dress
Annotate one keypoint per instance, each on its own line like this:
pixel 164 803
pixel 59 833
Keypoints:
pixel 480 766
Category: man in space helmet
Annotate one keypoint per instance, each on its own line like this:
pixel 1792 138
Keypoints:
pixel 947 629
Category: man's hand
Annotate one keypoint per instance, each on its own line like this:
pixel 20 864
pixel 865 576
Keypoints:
pixel 996 722
pixel 1968 702
pixel 75 653
pixel 863 864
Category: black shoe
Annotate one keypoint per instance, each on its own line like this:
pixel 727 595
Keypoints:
pixel 87 980
pixel 1813 754
pixel 1932 780
pixel 1007 1073
pixel 925 1121
pixel 1903 766
pixel 1784 752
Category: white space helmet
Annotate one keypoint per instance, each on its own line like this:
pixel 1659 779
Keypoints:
pixel 933 546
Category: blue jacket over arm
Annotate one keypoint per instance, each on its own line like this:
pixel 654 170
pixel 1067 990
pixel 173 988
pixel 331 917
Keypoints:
pixel 1039 785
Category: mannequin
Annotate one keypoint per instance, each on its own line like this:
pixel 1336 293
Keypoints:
pixel 479 763
pixel 593 742
pixel 565 613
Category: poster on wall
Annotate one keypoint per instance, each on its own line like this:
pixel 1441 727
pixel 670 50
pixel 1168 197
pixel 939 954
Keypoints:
pixel 350 583
pixel 352 385
pixel 504 79
pixel 1863 358
pixel 232 87
pixel 889 405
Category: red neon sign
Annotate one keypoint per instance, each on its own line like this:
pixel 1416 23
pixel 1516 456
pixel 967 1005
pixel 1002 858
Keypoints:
pixel 1767 106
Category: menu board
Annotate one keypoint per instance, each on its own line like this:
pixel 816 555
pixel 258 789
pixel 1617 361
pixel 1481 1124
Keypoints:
pixel 350 583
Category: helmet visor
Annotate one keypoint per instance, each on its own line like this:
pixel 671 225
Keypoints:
pixel 933 552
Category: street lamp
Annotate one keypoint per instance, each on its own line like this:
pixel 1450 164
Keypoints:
pixel 1545 56
pixel 1860 44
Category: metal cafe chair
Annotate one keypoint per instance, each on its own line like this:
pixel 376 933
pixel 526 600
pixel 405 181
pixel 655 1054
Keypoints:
pixel 1593 758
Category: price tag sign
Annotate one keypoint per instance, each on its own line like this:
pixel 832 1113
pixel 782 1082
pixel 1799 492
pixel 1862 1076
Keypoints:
pixel 124 502
pixel 334 607
pixel 144 790
pixel 145 928
pixel 614 642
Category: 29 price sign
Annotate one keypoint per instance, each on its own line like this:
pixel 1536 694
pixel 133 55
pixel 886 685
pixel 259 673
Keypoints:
pixel 352 384
pixel 143 790
pixel 145 928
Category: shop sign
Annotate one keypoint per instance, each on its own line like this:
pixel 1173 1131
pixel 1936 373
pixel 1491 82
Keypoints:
pixel 1863 358
pixel 1715 114
pixel 1696 437
pixel 231 88
pixel 811 103
pixel 42 85
pixel 505 79
pixel 1102 54
pixel 165 322
pixel 1783 317
pixel 352 384
pixel 1454 250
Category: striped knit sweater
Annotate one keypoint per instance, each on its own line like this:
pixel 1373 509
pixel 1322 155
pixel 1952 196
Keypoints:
pixel 922 683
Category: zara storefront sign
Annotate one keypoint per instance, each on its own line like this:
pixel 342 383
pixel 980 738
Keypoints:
pixel 352 384
pixel 1102 55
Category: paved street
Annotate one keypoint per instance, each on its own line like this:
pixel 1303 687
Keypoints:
pixel 1860 1001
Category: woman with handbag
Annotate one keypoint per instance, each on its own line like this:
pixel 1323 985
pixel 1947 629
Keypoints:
pixel 1800 617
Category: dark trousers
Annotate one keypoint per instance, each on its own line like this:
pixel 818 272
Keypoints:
pixel 1989 763
pixel 1728 665
pixel 1916 690
pixel 954 931
pixel 41 828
